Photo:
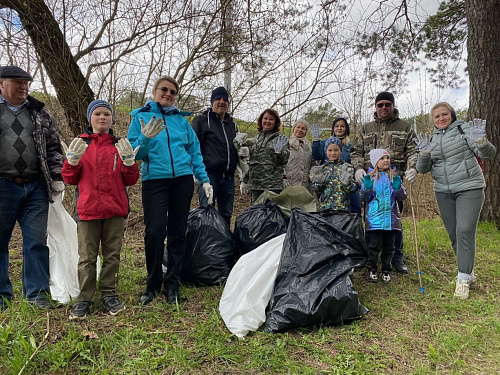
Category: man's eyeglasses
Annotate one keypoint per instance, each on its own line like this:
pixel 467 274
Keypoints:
pixel 387 105
pixel 165 90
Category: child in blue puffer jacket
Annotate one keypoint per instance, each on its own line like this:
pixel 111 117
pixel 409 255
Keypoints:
pixel 381 190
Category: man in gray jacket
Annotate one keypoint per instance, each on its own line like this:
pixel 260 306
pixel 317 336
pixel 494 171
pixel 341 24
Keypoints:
pixel 388 132
pixel 30 176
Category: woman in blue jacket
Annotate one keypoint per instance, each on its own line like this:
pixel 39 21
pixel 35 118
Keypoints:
pixel 170 152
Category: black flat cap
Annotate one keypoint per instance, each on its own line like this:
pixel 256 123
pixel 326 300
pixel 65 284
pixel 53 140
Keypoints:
pixel 14 72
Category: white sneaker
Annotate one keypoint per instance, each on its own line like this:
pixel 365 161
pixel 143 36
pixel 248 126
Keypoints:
pixel 462 289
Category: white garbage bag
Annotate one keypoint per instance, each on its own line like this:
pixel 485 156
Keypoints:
pixel 249 287
pixel 63 253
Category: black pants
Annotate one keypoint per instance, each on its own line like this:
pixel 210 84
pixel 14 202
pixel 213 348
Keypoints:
pixel 166 202
pixel 381 242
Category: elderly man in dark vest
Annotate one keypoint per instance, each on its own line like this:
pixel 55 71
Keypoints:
pixel 30 176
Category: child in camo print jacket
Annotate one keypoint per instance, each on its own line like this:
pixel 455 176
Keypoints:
pixel 333 181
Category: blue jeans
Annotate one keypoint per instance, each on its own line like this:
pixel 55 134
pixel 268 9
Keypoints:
pixel 29 205
pixel 223 195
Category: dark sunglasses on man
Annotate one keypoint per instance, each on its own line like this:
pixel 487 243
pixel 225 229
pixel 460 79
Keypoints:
pixel 387 105
pixel 165 90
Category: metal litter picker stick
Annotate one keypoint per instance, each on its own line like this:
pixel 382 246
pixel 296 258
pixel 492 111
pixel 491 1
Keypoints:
pixel 416 240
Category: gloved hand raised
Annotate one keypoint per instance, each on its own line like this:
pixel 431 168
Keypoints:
pixel 126 152
pixel 345 174
pixel 153 128
pixel 279 143
pixel 209 192
pixel 477 131
pixel 316 132
pixel 75 150
pixel 367 182
pixel 424 144
pixel 240 138
pixel 358 176
pixel 316 175
pixel 396 182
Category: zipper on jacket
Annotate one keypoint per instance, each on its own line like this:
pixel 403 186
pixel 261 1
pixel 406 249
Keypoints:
pixel 168 142
pixel 114 164
pixel 227 147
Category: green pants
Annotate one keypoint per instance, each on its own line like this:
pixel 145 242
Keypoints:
pixel 107 233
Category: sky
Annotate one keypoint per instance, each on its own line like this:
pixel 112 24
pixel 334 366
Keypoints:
pixel 420 94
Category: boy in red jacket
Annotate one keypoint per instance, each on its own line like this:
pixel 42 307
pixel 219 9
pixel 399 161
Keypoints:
pixel 102 165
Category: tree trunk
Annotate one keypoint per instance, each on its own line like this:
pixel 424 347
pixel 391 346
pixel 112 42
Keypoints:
pixel 72 89
pixel 483 62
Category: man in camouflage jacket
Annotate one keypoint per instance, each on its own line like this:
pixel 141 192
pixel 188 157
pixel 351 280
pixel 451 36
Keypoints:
pixel 388 132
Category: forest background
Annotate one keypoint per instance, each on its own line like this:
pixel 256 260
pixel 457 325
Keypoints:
pixel 306 59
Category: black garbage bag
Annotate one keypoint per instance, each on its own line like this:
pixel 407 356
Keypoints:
pixel 258 224
pixel 210 248
pixel 313 286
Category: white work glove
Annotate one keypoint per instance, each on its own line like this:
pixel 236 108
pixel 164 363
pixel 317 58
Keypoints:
pixel 316 132
pixel 209 192
pixel 153 128
pixel 127 153
pixel 240 138
pixel 477 131
pixel 243 188
pixel 244 153
pixel 359 175
pixel 57 187
pixel 316 175
pixel 345 175
pixel 280 143
pixel 423 141
pixel 75 151
pixel 411 174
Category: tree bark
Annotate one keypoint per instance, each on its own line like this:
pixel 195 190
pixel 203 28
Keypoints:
pixel 483 62
pixel 72 89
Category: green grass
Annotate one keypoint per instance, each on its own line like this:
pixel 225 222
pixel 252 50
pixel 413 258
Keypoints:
pixel 405 332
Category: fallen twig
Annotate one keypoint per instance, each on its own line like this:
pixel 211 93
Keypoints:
pixel 39 346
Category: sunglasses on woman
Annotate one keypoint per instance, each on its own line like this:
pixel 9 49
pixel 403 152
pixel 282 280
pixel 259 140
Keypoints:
pixel 165 90
pixel 380 105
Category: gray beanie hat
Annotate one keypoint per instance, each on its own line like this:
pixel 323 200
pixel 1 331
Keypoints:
pixel 376 154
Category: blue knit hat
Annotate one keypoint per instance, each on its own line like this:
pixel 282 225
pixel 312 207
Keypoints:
pixel 332 141
pixel 96 104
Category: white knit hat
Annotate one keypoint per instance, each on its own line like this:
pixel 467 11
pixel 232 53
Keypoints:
pixel 376 154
